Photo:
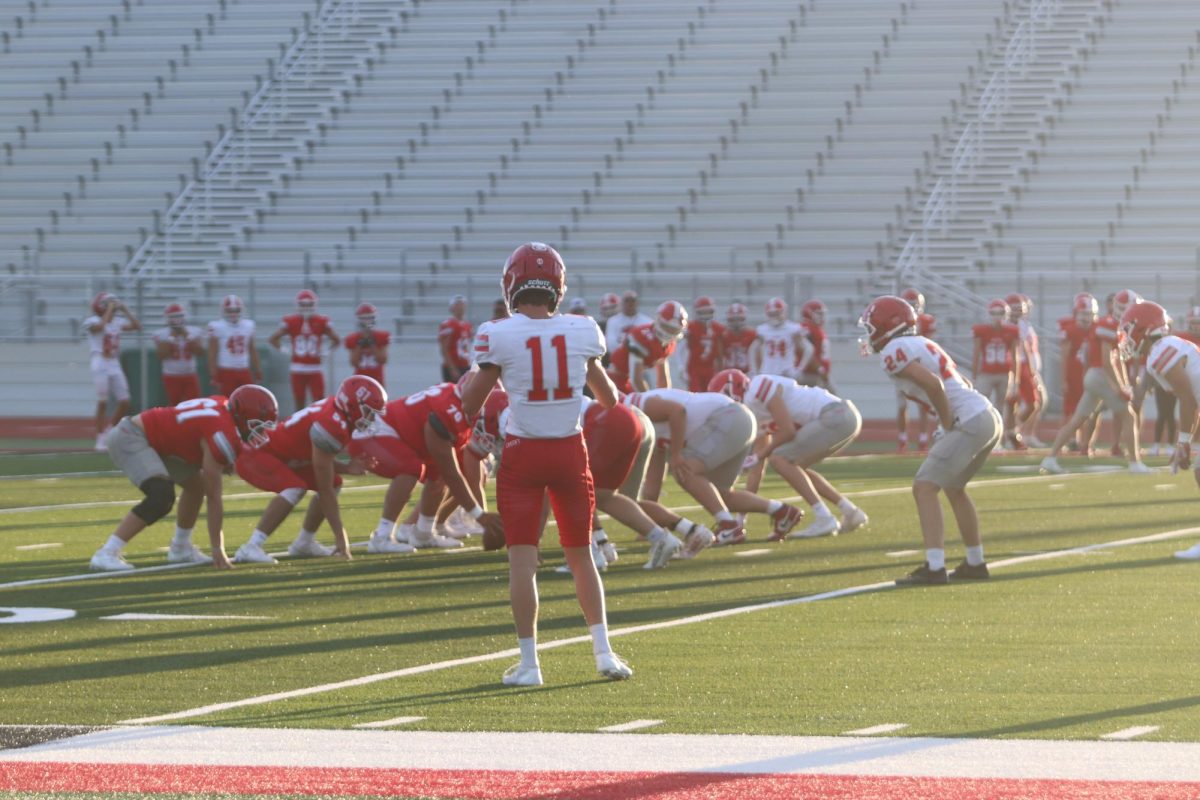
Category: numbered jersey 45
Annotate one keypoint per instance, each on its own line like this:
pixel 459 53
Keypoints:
pixel 543 363
pixel 902 351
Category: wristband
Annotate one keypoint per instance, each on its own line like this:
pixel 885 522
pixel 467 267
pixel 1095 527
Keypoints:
pixel 476 512
pixel 1185 438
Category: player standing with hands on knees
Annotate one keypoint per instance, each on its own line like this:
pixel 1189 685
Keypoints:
pixel 545 360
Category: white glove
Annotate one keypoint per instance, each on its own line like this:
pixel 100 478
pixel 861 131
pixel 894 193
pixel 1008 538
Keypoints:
pixel 749 463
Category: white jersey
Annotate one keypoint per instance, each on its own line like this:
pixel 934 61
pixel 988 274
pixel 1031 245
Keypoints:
pixel 700 406
pixel 543 363
pixel 233 342
pixel 180 361
pixel 618 325
pixel 778 343
pixel 1169 351
pixel 804 403
pixel 105 343
pixel 965 402
pixel 1032 351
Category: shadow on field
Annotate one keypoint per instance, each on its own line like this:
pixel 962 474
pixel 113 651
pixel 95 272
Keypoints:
pixel 1038 726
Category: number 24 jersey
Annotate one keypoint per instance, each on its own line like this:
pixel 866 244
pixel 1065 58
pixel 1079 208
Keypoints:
pixel 543 363
pixel 965 402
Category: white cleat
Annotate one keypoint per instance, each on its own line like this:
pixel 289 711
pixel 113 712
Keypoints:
pixel 607 550
pixel 698 538
pixel 253 554
pixel 309 548
pixel 101 442
pixel 597 558
pixel 462 521
pixel 1034 441
pixel 404 533
pixel 186 553
pixel 662 551
pixel 520 675
pixel 386 544
pixel 821 526
pixel 1140 468
pixel 448 532
pixel 105 561
pixel 853 521
pixel 1051 466
pixel 432 540
pixel 610 666
pixel 1191 554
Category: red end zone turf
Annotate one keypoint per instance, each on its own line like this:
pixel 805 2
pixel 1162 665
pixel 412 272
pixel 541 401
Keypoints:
pixel 505 785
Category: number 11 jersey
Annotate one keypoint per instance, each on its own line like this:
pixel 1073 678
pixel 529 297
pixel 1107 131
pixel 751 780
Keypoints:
pixel 543 364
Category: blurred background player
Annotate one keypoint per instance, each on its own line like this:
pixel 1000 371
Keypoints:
pixel 177 346
pixel 995 361
pixel 738 340
pixel 232 356
pixel 1072 338
pixel 814 369
pixel 778 341
pixel 499 309
pixel 1164 399
pixel 618 325
pixel 646 347
pixel 103 329
pixel 368 345
pixel 578 307
pixel 927 327
pixel 307 331
pixel 454 341
pixel 1031 391
pixel 705 340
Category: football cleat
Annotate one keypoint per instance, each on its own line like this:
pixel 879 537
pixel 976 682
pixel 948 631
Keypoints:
pixel 186 553
pixel 446 530
pixel 309 548
pixel 698 538
pixel 783 521
pixel 662 551
pixel 101 442
pixel 105 561
pixel 432 540
pixel 521 675
pixel 598 559
pixel 386 544
pixel 405 531
pixel 607 550
pixel 1140 468
pixel 970 572
pixel 461 520
pixel 610 666
pixel 728 532
pixel 821 526
pixel 924 576
pixel 1051 466
pixel 1034 441
pixel 853 520
pixel 1191 554
pixel 253 554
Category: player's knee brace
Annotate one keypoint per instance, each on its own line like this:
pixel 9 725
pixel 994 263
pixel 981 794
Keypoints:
pixel 159 499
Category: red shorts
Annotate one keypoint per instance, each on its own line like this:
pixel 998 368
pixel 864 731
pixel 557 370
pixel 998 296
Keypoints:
pixel 1073 390
pixel 1027 388
pixel 388 457
pixel 529 470
pixel 313 382
pixel 698 381
pixel 613 436
pixel 230 379
pixel 264 470
pixel 622 382
pixel 372 372
pixel 180 388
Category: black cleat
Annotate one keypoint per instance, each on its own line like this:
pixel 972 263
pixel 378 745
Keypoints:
pixel 969 572
pixel 924 576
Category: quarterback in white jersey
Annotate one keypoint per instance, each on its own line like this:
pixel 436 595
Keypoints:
pixel 970 429
pixel 232 356
pixel 779 342
pixel 806 425
pixel 618 325
pixel 103 331
pixel 545 360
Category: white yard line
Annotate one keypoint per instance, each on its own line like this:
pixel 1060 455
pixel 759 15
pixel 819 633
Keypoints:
pixel 46 546
pixel 635 725
pixel 134 616
pixel 875 730
pixel 388 723
pixel 1129 733
pixel 762 551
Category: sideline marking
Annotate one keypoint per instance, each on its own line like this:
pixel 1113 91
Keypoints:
pixel 16 615
pixel 483 658
pixel 46 546
pixel 877 729
pixel 902 553
pixel 1166 487
pixel 156 617
pixel 388 723
pixel 635 725
pixel 1130 733
pixel 758 552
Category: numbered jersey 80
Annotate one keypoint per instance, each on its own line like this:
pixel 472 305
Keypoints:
pixel 543 363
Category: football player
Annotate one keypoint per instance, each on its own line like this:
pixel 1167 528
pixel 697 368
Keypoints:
pixel 926 326
pixel 647 347
pixel 103 331
pixel 779 342
pixel 970 428
pixel 618 325
pixel 545 360
pixel 232 356
pixel 1026 408
pixel 807 424
pixel 738 339
pixel 298 457
pixel 177 346
pixel 454 341
pixel 705 339
pixel 1073 335
pixel 307 330
pixel 814 367
pixel 995 361
pixel 192 444
pixel 368 345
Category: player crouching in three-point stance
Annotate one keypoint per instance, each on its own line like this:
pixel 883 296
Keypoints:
pixel 970 428
pixel 545 360
pixel 191 444
pixel 1175 363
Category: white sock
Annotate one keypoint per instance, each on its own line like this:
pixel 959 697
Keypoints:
pixel 600 638
pixel 385 528
pixel 975 555
pixel 723 516
pixel 258 538
pixel 684 526
pixel 936 556
pixel 305 536
pixel 182 536
pixel 846 507
pixel 425 524
pixel 773 506
pixel 114 545
pixel 902 438
pixel 656 535
pixel 821 510
pixel 528 651
pixel 923 439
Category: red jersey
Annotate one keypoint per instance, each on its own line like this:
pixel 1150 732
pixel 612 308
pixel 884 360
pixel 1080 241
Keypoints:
pixel 996 344
pixel 459 333
pixel 820 362
pixel 641 342
pixel 320 424
pixel 1103 330
pixel 926 325
pixel 178 430
pixel 704 343
pixel 408 415
pixel 368 341
pixel 1071 337
pixel 306 334
pixel 737 348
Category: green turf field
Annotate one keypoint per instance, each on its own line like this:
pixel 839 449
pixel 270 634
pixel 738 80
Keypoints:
pixel 1070 647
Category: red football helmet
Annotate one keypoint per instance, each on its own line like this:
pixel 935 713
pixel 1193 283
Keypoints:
pixel 255 412
pixel 306 301
pixel 1085 304
pixel 1192 320
pixel 915 298
pixel 998 309
pixel 883 320
pixel 231 307
pixel 735 315
pixel 1123 300
pixel 609 304
pixel 813 312
pixel 776 310
pixel 488 434
pixel 670 321
pixel 175 315
pixel 360 399
pixel 1018 305
pixel 705 308
pixel 731 383
pixel 366 316
pixel 534 266
pixel 1142 323
pixel 100 302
